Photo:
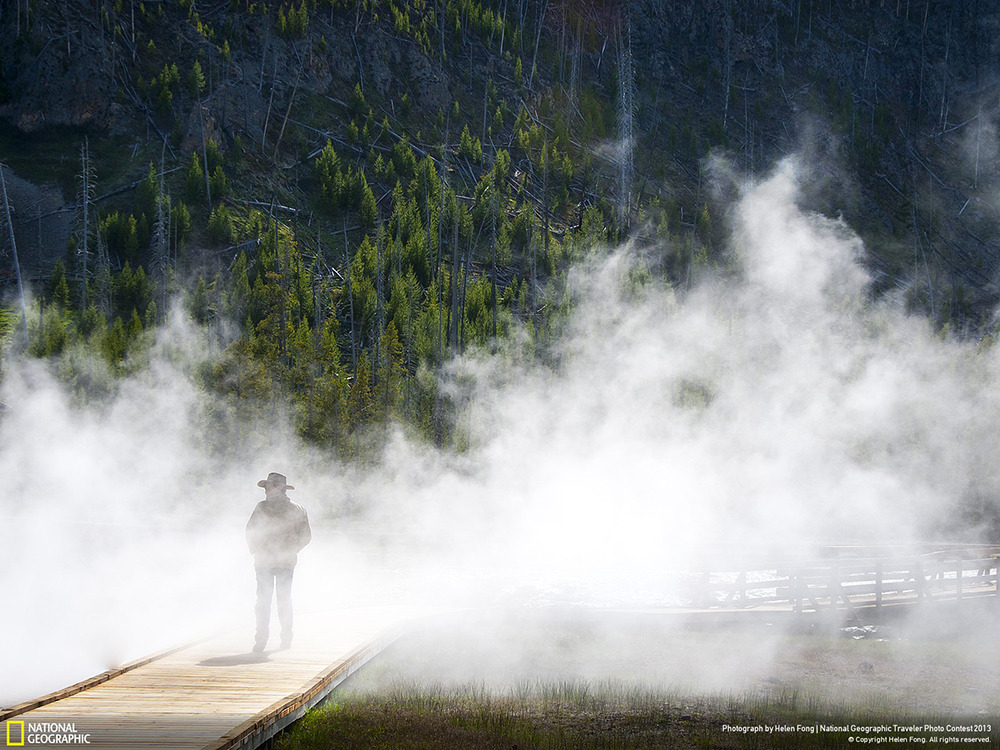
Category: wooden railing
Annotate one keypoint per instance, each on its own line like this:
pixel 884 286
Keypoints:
pixel 847 582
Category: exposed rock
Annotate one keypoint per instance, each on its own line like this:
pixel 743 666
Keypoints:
pixel 342 60
pixel 54 80
pixel 201 128
pixel 42 222
pixel 430 82
pixel 380 55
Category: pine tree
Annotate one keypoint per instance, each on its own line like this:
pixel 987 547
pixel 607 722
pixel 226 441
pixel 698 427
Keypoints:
pixel 197 302
pixel 196 80
pixel 219 183
pixel 60 288
pixel 329 176
pixel 115 343
pixel 470 147
pixel 194 181
pixel 220 226
pixel 369 207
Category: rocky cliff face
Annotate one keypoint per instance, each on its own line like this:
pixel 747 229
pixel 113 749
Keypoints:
pixel 59 70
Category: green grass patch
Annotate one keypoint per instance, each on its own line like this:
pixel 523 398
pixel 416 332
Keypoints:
pixel 584 716
pixel 543 680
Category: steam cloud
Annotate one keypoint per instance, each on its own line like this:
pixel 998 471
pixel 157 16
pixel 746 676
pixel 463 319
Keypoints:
pixel 772 408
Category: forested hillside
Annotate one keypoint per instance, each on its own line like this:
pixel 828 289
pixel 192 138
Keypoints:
pixel 349 193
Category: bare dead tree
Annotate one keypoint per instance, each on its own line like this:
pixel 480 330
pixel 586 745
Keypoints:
pixel 626 108
pixel 533 287
pixel 204 156
pixel 270 102
pixel 538 38
pixel 453 311
pixel 350 299
pixel 86 196
pixel 943 117
pixel 13 248
pixel 466 263
pixel 503 27
pixel 161 236
pixel 288 111
pixel 727 22
pixel 102 275
pixel 380 239
pixel 437 264
pixel 546 165
pixel 979 136
pixel 495 207
pixel 486 91
pixel 576 64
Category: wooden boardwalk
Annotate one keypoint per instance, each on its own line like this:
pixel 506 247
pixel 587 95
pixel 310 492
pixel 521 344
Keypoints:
pixel 851 580
pixel 213 694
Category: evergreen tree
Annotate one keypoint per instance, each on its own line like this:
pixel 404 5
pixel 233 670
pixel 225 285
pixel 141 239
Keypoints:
pixel 60 287
pixel 219 183
pixel 147 192
pixel 194 181
pixel 470 147
pixel 369 207
pixel 180 222
pixel 220 226
pixel 196 80
pixel 198 304
pixel 115 343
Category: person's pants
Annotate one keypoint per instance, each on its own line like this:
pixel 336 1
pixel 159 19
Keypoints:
pixel 269 579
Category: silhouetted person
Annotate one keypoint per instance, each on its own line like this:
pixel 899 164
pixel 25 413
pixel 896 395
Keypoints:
pixel 276 531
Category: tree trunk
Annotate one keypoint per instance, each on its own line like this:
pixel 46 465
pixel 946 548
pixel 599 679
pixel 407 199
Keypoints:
pixel 453 312
pixel 350 298
pixel 17 265
pixel 204 159
pixel 85 179
pixel 538 38
pixel 288 112
pixel 493 253
pixel 625 124
pixel 465 285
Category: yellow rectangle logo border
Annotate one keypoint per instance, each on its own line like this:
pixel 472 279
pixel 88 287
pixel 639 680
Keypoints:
pixel 15 744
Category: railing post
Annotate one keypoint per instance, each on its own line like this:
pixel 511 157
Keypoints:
pixel 797 590
pixel 878 586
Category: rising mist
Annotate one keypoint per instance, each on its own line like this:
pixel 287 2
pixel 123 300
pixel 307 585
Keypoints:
pixel 774 405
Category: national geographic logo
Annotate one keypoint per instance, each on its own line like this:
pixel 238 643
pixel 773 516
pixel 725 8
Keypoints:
pixel 15 733
pixel 45 733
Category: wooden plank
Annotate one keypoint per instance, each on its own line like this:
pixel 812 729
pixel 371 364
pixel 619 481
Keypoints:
pixel 213 694
pixel 90 682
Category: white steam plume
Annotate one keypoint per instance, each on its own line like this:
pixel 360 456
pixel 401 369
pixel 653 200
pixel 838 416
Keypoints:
pixel 773 409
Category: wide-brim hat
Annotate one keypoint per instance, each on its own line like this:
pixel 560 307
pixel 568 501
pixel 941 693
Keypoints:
pixel 277 480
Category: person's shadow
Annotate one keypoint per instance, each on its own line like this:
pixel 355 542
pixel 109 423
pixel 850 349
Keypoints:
pixel 234 660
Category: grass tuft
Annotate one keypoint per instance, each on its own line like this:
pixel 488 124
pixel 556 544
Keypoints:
pixel 577 715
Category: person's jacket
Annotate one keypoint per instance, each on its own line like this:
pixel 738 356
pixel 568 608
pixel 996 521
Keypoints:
pixel 276 531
